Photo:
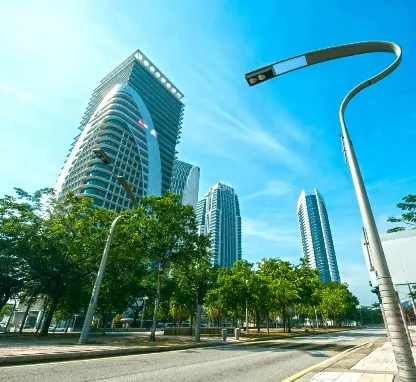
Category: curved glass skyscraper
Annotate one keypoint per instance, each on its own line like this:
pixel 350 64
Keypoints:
pixel 316 237
pixel 218 214
pixel 135 116
pixel 185 182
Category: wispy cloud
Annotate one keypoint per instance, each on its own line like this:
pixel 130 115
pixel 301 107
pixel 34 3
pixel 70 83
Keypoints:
pixel 228 110
pixel 274 188
pixel 271 233
pixel 16 93
pixel 389 182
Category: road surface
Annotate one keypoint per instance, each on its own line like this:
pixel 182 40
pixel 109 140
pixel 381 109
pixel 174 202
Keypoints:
pixel 265 361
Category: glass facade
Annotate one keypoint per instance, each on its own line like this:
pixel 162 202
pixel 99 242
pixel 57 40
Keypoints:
pixel 316 237
pixel 185 182
pixel 218 214
pixel 135 116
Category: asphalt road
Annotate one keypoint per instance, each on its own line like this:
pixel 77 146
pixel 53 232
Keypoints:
pixel 265 361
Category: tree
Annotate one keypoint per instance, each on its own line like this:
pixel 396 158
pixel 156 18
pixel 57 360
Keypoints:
pixel 408 216
pixel 336 300
pixel 18 223
pixel 191 281
pixel 229 295
pixel 282 278
pixel 169 233
pixel 59 242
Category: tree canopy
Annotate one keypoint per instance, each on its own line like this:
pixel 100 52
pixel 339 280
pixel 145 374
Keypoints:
pixel 408 217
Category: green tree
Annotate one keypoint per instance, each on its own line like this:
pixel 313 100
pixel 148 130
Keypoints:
pixel 60 242
pixel 169 233
pixel 336 300
pixel 308 284
pixel 259 298
pixel 191 280
pixel 20 217
pixel 281 276
pixel 408 206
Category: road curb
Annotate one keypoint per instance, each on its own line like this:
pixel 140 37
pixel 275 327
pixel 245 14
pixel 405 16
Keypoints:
pixel 69 356
pixel 328 362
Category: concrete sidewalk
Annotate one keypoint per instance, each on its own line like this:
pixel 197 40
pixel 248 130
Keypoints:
pixel 377 366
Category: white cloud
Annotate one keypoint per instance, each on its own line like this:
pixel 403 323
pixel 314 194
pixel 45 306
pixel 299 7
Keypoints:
pixel 383 183
pixel 261 229
pixel 274 188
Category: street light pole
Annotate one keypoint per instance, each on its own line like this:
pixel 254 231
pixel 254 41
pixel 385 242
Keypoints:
pixel 96 291
pixel 83 339
pixel 394 323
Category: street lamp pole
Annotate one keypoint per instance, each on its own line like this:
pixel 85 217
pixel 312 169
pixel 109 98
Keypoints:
pixel 83 339
pixel 394 323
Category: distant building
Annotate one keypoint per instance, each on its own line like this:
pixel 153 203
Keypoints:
pixel 135 116
pixel 316 237
pixel 218 214
pixel 185 182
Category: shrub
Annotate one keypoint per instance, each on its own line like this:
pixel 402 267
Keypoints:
pixel 116 322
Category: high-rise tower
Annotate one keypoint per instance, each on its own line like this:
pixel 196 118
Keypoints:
pixel 316 237
pixel 218 214
pixel 135 116
pixel 185 182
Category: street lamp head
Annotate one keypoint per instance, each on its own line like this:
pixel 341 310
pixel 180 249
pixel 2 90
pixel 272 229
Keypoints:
pixel 277 69
pixel 260 75
pixel 101 155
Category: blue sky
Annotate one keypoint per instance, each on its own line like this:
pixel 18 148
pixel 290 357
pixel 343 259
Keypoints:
pixel 269 142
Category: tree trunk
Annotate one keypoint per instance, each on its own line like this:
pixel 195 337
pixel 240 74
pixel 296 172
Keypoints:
pixel 198 323
pixel 156 311
pixel 10 317
pixel 284 321
pixel 67 324
pixel 267 322
pixel 258 321
pixel 29 303
pixel 192 323
pixel 49 315
pixel 135 315
pixel 289 329
pixel 45 305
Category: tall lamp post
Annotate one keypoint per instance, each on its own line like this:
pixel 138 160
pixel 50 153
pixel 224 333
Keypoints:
pixel 394 322
pixel 83 339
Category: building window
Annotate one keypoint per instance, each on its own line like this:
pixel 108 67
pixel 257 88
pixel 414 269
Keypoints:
pixel 100 174
pixel 93 191
pixel 97 182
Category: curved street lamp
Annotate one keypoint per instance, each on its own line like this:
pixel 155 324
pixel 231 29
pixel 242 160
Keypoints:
pixel 83 339
pixel 394 323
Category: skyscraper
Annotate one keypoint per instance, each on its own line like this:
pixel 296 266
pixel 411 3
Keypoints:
pixel 316 237
pixel 135 116
pixel 218 213
pixel 185 182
